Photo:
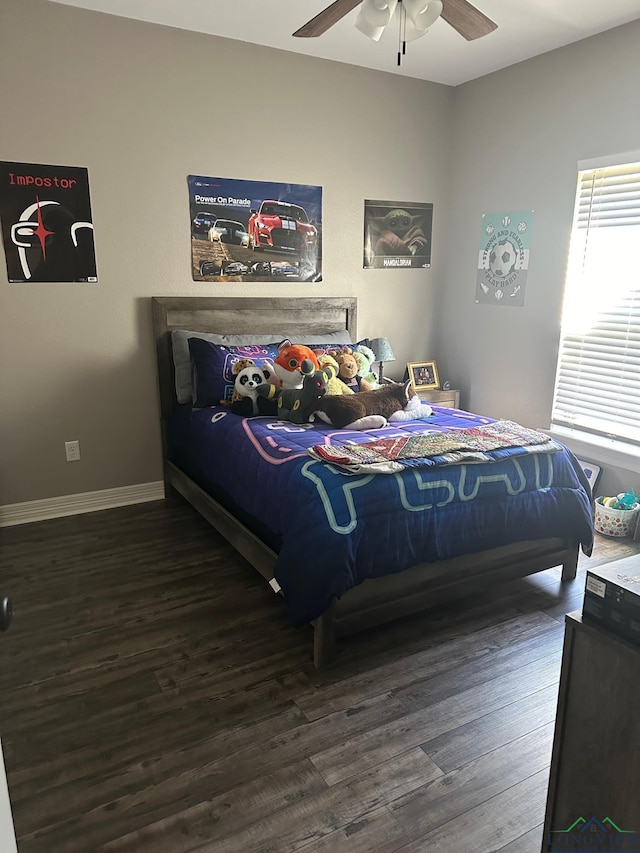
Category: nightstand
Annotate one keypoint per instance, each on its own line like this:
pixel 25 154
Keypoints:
pixel 450 399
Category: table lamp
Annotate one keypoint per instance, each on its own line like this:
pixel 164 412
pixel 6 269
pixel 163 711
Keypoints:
pixel 382 352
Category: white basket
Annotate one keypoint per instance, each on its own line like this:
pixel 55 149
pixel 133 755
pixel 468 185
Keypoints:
pixel 614 522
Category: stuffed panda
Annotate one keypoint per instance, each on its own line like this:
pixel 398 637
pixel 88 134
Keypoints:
pixel 248 376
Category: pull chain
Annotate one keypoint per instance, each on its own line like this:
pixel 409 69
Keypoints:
pixel 402 33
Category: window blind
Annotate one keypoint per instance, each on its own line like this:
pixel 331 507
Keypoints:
pixel 598 377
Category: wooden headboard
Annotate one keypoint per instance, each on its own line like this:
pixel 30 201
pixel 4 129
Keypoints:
pixel 231 315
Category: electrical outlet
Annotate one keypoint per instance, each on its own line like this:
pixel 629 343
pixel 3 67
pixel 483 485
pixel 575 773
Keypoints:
pixel 72 449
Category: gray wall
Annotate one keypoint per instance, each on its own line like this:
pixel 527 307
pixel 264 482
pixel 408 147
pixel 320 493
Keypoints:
pixel 139 106
pixel 518 136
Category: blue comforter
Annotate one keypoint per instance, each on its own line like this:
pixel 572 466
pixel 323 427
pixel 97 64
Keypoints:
pixel 337 528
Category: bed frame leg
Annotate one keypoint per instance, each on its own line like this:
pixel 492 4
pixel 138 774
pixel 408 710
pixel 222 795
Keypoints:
pixel 570 565
pixel 324 637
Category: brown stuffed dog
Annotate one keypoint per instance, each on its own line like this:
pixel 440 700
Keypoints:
pixel 370 409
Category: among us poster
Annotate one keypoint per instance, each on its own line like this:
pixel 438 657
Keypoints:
pixel 397 234
pixel 254 230
pixel 47 229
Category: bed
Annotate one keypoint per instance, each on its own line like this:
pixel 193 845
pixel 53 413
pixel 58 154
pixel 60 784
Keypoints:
pixel 351 548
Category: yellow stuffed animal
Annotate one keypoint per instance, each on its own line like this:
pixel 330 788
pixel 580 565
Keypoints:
pixel 334 385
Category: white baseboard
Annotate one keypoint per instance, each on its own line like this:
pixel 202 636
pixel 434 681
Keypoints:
pixel 25 513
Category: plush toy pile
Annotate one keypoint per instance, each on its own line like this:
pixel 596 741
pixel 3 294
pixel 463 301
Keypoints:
pixel 337 387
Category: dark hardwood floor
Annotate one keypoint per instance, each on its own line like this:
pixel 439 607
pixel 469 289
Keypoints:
pixel 155 700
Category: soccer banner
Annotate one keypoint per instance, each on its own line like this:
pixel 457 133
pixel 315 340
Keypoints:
pixel 503 260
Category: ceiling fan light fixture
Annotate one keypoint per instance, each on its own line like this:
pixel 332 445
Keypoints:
pixel 374 33
pixel 421 14
pixel 411 32
pixel 462 15
pixel 378 12
pixel 373 17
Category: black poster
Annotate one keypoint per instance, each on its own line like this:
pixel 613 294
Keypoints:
pixel 47 228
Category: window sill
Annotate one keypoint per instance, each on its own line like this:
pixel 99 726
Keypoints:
pixel 597 449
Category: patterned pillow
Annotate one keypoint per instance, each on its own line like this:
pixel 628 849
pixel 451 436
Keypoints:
pixel 212 366
pixel 182 359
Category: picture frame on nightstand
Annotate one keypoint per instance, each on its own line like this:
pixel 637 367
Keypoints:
pixel 423 375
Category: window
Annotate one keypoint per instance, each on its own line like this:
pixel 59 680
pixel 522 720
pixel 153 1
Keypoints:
pixel 598 378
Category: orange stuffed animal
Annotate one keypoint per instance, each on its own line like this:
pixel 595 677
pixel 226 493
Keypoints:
pixel 288 362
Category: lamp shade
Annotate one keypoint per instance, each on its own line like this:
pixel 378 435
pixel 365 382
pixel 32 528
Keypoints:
pixel 421 14
pixel 381 349
pixel 373 17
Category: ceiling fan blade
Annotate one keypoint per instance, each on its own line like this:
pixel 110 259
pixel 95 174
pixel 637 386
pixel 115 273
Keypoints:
pixel 327 18
pixel 466 19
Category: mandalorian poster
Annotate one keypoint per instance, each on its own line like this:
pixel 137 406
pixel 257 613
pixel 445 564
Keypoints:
pixel 397 234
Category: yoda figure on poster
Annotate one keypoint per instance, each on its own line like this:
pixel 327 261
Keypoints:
pixel 399 233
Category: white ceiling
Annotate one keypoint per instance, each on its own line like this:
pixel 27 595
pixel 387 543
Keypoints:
pixel 526 28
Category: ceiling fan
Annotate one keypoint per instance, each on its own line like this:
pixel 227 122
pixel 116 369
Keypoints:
pixel 375 14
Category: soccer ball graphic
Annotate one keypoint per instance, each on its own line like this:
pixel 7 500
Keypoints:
pixel 502 259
